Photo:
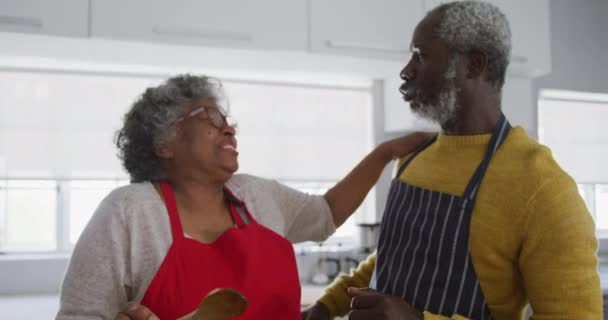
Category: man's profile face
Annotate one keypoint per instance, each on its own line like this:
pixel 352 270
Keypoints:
pixel 429 75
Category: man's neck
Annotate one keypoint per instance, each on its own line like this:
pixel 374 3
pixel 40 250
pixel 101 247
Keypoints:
pixel 477 116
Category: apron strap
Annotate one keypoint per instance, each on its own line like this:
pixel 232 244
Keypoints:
pixel 176 225
pixel 405 164
pixel 239 215
pixel 498 137
pixel 238 210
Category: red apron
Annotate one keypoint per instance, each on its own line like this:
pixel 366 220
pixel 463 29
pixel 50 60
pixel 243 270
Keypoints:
pixel 249 257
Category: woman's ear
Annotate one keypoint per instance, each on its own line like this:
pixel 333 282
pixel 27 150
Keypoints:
pixel 477 63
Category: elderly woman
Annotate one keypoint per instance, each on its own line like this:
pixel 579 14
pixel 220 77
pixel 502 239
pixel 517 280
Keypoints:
pixel 186 224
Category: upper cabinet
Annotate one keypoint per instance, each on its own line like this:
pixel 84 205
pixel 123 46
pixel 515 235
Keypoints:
pixel 371 29
pixel 57 17
pixel 265 24
pixel 379 29
pixel 530 30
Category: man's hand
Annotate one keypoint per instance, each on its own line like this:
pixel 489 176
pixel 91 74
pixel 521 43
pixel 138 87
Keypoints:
pixel 402 146
pixel 369 304
pixel 135 311
pixel 317 311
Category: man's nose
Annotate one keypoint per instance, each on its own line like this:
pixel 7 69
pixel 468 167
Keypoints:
pixel 407 73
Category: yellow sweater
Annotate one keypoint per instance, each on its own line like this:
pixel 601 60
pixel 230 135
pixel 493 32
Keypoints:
pixel 532 239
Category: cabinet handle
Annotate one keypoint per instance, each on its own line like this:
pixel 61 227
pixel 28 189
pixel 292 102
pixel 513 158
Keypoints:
pixel 363 47
pixel 193 33
pixel 21 22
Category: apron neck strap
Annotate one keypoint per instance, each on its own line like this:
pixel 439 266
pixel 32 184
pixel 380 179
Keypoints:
pixel 238 211
pixel 498 137
pixel 407 162
pixel 171 204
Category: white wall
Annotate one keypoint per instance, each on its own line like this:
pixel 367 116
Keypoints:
pixel 31 274
pixel 579 46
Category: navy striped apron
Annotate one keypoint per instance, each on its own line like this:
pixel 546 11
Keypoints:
pixel 423 247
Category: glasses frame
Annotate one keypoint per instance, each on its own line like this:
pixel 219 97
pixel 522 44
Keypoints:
pixel 215 116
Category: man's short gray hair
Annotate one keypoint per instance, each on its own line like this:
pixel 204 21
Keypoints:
pixel 151 122
pixel 467 25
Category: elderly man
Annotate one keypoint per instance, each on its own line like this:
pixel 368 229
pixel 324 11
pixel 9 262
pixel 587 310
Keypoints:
pixel 482 221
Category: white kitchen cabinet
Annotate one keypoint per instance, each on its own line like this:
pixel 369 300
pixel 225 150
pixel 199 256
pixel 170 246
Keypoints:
pixel 266 24
pixel 530 30
pixel 56 17
pixel 372 29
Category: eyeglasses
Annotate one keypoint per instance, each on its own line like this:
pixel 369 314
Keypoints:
pixel 214 115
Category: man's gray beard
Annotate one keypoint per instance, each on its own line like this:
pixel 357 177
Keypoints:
pixel 444 111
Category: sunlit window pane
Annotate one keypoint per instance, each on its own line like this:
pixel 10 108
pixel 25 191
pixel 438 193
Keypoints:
pixel 581 190
pixel 283 134
pixel 601 206
pixel 582 149
pixel 2 214
pixel 46 129
pixel 29 220
pixel 85 196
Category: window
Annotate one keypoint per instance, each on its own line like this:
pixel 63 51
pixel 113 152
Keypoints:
pixel 572 125
pixel 28 225
pixel 47 215
pixel 601 205
pixel 56 130
pixel 84 197
pixel 308 137
pixel 596 198
pixel 58 160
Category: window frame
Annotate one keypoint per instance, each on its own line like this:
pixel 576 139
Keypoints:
pixel 62 215
pixel 62 212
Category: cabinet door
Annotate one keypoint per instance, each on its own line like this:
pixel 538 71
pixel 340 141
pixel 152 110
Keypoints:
pixel 371 29
pixel 57 17
pixel 529 21
pixel 272 24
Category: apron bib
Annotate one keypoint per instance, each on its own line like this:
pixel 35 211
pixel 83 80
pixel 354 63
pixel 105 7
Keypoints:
pixel 423 246
pixel 248 257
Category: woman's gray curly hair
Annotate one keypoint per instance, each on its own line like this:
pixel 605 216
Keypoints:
pixel 151 122
pixel 467 25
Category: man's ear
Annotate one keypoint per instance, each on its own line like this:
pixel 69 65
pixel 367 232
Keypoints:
pixel 477 63
pixel 164 151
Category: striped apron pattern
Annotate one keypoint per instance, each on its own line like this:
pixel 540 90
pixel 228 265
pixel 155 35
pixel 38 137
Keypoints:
pixel 423 246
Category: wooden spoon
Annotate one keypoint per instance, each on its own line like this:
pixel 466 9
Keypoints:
pixel 219 304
